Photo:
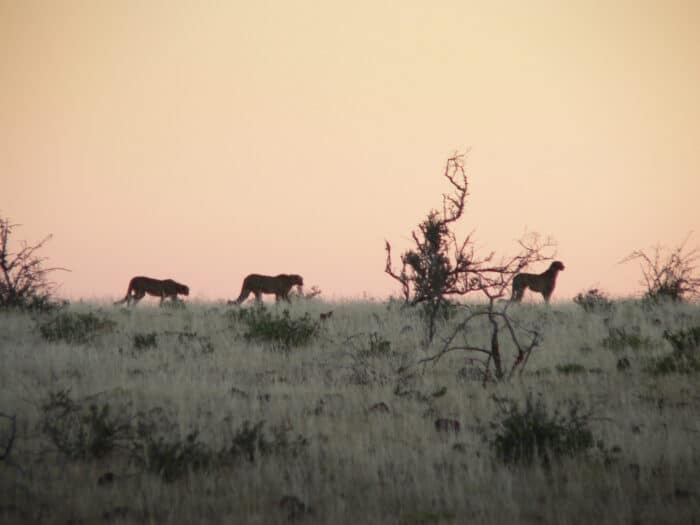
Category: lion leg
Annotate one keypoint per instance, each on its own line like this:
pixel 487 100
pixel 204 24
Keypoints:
pixel 547 293
pixel 517 295
pixel 138 295
pixel 518 289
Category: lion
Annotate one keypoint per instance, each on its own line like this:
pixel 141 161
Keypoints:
pixel 542 282
pixel 140 286
pixel 280 285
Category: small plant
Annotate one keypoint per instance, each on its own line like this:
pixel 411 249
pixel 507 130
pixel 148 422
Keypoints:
pixel 171 460
pixel 144 341
pixel 74 327
pixel 675 363
pixel 525 435
pixel 377 346
pixel 570 369
pixel 281 330
pixel 684 340
pixel 250 441
pixel 593 301
pixel 619 339
pixel 81 433
pixel 685 357
pixel 670 276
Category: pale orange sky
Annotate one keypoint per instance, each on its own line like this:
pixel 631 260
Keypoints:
pixel 206 140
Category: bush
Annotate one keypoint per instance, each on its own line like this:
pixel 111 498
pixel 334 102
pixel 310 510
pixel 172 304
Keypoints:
pixel 619 339
pixel 684 340
pixel 525 435
pixel 75 327
pixel 24 277
pixel 171 460
pixel 668 275
pixel 250 441
pixel 593 301
pixel 281 330
pixel 570 369
pixel 81 433
pixel 685 357
pixel 376 346
pixel 144 341
pixel 675 363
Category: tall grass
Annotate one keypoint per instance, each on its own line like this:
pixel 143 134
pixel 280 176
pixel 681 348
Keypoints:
pixel 206 424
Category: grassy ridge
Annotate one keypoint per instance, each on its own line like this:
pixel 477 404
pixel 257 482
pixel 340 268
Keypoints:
pixel 182 415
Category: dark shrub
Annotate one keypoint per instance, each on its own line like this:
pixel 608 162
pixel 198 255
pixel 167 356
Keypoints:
pixel 593 301
pixel 171 460
pixel 144 341
pixel 524 435
pixel 74 327
pixel 570 369
pixel 620 339
pixel 685 357
pixel 80 432
pixel 281 330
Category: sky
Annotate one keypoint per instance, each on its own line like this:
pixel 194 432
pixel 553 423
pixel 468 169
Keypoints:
pixel 202 141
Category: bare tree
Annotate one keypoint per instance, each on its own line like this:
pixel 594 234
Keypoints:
pixel 441 267
pixel 24 277
pixel 494 282
pixel 668 275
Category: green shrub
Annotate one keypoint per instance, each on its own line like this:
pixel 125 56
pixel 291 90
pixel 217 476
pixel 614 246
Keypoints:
pixel 81 432
pixel 171 460
pixel 619 339
pixel 524 435
pixel 685 357
pixel 144 341
pixel 376 346
pixel 675 363
pixel 593 301
pixel 74 327
pixel 281 330
pixel 250 441
pixel 684 340
pixel 570 369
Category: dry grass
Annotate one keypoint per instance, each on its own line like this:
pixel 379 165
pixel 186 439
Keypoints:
pixel 357 465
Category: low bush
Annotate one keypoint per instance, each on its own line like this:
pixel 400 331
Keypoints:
pixel 570 369
pixel 279 329
pixel 593 301
pixel 531 433
pixel 377 346
pixel 144 341
pixel 620 339
pixel 684 340
pixel 685 357
pixel 79 431
pixel 172 459
pixel 675 363
pixel 251 441
pixel 72 327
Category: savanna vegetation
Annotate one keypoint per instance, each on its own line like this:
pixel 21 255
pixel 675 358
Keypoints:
pixel 448 404
pixel 207 413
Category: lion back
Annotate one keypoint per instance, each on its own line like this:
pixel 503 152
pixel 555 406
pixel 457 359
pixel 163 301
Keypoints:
pixel 171 287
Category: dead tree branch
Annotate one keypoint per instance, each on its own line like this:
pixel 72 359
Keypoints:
pixel 24 278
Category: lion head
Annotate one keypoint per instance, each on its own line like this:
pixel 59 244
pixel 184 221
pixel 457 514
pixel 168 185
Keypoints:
pixel 557 265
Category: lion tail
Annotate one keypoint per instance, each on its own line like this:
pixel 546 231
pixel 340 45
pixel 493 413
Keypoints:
pixel 128 292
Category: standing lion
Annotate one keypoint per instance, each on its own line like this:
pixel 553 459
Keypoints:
pixel 543 283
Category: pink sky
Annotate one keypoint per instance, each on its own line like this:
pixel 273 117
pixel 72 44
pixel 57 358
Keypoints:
pixel 207 140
